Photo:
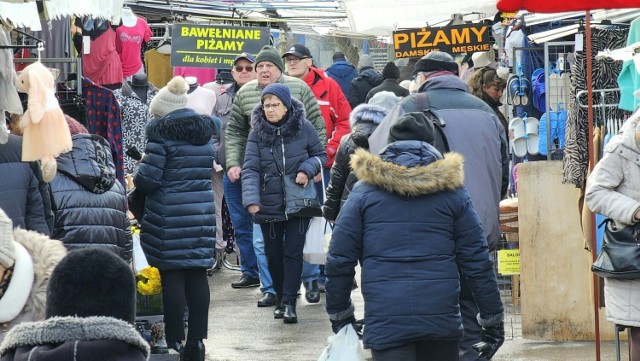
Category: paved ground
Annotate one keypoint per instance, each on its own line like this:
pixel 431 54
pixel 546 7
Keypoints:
pixel 240 331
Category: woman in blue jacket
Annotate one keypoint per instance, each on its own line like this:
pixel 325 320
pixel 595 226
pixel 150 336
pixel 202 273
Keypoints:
pixel 282 143
pixel 178 225
pixel 410 223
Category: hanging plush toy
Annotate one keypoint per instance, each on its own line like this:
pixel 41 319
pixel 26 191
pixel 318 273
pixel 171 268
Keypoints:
pixel 46 133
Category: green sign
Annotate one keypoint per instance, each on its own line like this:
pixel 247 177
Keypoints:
pixel 214 46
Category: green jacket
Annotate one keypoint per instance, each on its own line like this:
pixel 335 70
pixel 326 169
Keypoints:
pixel 247 98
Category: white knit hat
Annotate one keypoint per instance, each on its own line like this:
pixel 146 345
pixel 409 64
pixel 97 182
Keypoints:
pixel 172 97
pixel 7 248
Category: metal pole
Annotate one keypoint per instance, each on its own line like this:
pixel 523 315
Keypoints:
pixel 592 160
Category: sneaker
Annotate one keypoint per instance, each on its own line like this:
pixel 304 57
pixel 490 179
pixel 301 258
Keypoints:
pixel 246 282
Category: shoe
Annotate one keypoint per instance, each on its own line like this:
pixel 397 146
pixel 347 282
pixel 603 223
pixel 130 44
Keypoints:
pixel 246 282
pixel 158 342
pixel 178 347
pixel 194 350
pixel 290 315
pixel 268 299
pixel 279 311
pixel 312 295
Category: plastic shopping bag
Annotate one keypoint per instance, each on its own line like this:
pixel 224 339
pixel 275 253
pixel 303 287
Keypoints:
pixel 343 346
pixel 313 251
pixel 139 259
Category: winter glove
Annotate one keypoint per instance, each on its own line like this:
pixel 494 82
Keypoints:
pixel 337 325
pixel 492 339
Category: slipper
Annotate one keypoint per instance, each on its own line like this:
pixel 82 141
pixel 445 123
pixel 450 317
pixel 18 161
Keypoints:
pixel 519 142
pixel 525 87
pixel 513 89
pixel 531 126
pixel 535 82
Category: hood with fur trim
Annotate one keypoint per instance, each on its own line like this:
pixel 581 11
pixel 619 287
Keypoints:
pixel 75 334
pixel 266 132
pixel 364 120
pixel 183 125
pixel 409 168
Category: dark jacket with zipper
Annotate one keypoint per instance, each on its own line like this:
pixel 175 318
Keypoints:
pixel 178 226
pixel 90 206
pixel 364 120
pixel 368 79
pixel 274 152
pixel 410 224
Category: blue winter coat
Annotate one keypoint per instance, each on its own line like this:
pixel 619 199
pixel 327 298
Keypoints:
pixel 90 206
pixel 295 144
pixel 178 226
pixel 342 72
pixel 410 223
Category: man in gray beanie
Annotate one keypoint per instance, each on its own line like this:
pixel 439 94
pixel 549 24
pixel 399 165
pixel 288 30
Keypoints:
pixel 473 130
pixel 268 66
pixel 367 79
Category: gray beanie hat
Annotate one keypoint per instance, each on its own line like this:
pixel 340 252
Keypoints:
pixel 172 97
pixel 7 248
pixel 385 99
pixel 366 61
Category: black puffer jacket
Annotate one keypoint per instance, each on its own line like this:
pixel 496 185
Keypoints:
pixel 364 120
pixel 295 143
pixel 90 207
pixel 368 79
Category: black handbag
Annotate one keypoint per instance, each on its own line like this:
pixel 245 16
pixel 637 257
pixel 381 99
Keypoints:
pixel 301 201
pixel 620 253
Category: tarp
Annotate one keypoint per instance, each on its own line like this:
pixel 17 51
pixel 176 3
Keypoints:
pixel 548 6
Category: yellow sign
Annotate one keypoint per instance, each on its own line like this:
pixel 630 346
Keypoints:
pixel 454 39
pixel 509 262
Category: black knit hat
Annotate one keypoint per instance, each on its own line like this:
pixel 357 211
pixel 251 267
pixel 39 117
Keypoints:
pixel 279 90
pixel 92 282
pixel 269 53
pixel 390 71
pixel 434 61
pixel 412 126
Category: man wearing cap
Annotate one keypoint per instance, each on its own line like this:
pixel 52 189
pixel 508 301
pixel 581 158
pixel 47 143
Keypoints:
pixel 335 111
pixel 241 73
pixel 368 79
pixel 269 67
pixel 473 130
pixel 390 75
pixel 341 71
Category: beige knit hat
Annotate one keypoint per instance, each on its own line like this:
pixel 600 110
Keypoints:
pixel 7 248
pixel 172 97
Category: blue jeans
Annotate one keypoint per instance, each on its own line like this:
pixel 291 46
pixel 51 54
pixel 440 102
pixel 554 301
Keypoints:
pixel 242 225
pixel 313 272
pixel 263 266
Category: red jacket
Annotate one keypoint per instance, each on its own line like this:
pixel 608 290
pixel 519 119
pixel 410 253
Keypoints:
pixel 334 107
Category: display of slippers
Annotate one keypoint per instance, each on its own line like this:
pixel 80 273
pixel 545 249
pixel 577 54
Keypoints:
pixel 525 88
pixel 519 141
pixel 513 89
pixel 531 126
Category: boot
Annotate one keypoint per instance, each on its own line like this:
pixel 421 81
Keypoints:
pixel 290 315
pixel 194 350
pixel 177 347
pixel 312 294
pixel 158 342
pixel 279 311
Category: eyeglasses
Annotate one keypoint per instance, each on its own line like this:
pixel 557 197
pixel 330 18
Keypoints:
pixel 248 68
pixel 271 106
pixel 294 60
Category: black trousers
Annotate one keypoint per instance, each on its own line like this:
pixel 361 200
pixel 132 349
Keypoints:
pixel 472 329
pixel 419 351
pixel 283 244
pixel 185 287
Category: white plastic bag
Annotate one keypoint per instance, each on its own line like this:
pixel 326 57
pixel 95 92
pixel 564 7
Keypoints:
pixel 139 259
pixel 314 250
pixel 343 346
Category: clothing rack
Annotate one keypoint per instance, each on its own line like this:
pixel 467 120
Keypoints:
pixel 603 106
pixel 77 61
pixel 38 45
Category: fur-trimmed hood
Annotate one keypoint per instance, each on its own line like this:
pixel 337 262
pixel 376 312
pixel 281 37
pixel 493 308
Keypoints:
pixel 183 125
pixel 266 132
pixel 364 120
pixel 409 168
pixel 61 330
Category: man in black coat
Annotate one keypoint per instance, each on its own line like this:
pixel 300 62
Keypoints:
pixel 365 81
pixel 390 75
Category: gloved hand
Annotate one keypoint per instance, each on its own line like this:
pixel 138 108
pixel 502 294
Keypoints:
pixel 337 325
pixel 492 339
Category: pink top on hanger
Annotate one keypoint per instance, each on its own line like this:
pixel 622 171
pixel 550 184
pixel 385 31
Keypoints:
pixel 129 44
pixel 102 65
pixel 204 75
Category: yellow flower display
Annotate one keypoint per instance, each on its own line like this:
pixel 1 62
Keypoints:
pixel 149 281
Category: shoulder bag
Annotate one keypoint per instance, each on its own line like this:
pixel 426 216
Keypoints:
pixel 299 201
pixel 620 253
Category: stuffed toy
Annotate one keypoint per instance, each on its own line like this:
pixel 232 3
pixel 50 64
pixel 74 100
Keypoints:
pixel 45 131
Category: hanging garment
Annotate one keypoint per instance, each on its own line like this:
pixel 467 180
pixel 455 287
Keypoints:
pixel 129 45
pixel 159 70
pixel 135 115
pixel 605 73
pixel 56 34
pixel 10 101
pixel 629 78
pixel 204 75
pixel 102 65
pixel 105 120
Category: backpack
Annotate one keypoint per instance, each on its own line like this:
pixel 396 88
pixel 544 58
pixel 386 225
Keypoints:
pixel 440 142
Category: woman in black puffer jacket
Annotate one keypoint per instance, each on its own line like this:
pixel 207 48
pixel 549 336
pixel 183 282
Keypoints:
pixel 282 142
pixel 364 120
pixel 89 204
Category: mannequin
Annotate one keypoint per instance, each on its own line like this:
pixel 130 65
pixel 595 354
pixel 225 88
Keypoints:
pixel 129 38
pixel 140 86
pixel 201 100
pixel 129 19
pixel 193 83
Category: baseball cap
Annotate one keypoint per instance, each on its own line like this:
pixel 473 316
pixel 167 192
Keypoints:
pixel 246 56
pixel 299 51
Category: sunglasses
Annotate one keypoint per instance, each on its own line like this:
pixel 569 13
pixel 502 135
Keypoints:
pixel 248 68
